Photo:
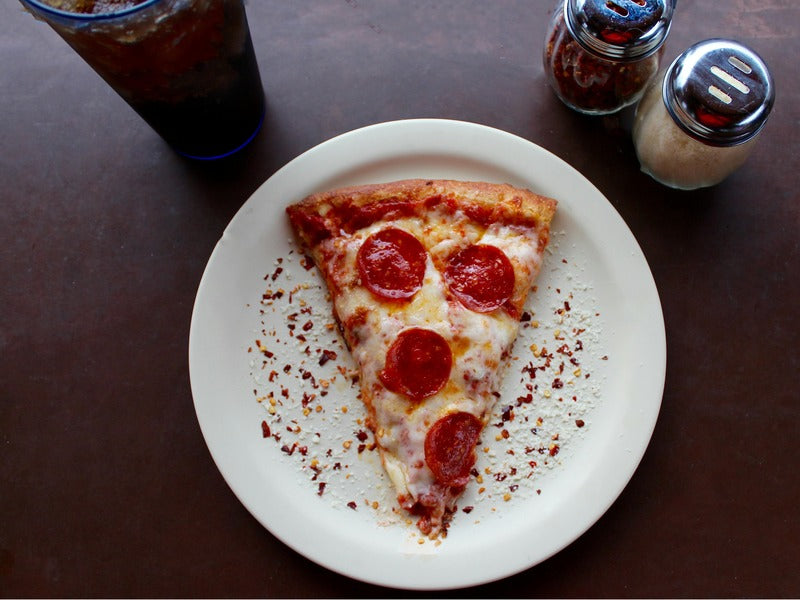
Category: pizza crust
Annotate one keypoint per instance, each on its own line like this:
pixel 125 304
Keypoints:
pixel 500 201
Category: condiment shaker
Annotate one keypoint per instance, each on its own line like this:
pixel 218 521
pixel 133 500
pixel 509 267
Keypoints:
pixel 600 55
pixel 699 120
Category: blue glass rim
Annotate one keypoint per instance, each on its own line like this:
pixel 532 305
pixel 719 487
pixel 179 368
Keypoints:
pixel 44 8
pixel 229 152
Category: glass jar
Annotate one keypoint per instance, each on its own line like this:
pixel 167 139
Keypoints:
pixel 599 55
pixel 698 121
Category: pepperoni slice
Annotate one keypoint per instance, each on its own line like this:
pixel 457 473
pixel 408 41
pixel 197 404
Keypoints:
pixel 418 364
pixel 481 277
pixel 450 447
pixel 392 264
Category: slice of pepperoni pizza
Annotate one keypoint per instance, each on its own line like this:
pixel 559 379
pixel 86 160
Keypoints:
pixel 428 280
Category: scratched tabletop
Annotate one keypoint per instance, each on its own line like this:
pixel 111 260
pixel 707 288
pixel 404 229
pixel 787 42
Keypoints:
pixel 107 487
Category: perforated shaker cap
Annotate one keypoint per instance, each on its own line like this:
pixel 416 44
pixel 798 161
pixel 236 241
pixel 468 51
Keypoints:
pixel 719 91
pixel 622 30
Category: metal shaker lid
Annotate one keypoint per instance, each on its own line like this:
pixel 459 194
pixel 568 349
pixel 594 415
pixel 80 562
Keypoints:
pixel 620 30
pixel 719 91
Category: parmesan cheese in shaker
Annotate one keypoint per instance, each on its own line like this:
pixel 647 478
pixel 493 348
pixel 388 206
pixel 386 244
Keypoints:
pixel 698 122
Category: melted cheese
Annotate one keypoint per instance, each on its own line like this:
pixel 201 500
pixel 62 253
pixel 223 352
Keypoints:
pixel 479 342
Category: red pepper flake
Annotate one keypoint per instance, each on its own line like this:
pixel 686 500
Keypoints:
pixel 277 272
pixel 307 263
pixel 362 435
pixel 579 422
pixel 508 413
pixel 308 325
pixel 287 367
pixel 526 316
pixel 264 350
pixel 554 449
pixel 326 356
pixel 564 349
pixel 557 384
pixel 265 432
pixel 514 487
pixel 321 488
pixel 468 509
pixel 352 505
pixel 524 399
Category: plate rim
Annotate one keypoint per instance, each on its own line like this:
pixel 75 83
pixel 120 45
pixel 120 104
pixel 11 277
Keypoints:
pixel 375 131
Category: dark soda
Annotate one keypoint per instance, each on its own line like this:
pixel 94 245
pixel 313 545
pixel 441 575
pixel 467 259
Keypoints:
pixel 186 66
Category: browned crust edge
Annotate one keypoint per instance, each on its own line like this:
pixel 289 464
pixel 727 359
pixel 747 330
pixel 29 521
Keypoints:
pixel 501 199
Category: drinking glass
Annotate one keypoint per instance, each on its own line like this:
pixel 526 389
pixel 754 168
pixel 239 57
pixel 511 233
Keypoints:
pixel 186 66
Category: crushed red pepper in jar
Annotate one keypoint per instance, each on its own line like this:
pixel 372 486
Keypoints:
pixel 599 56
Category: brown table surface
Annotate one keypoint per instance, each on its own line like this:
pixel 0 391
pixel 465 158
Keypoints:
pixel 106 485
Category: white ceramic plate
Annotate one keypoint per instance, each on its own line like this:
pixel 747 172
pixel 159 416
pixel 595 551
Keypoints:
pixel 594 261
